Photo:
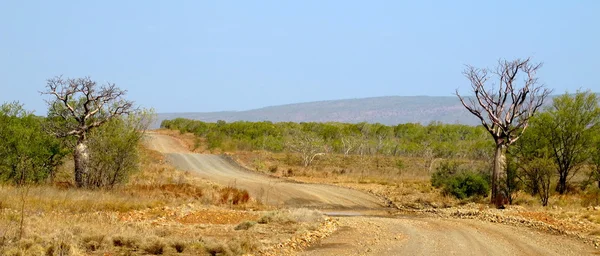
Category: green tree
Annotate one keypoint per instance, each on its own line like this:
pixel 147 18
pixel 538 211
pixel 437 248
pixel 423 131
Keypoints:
pixel 113 147
pixel 568 128
pixel 27 153
pixel 535 167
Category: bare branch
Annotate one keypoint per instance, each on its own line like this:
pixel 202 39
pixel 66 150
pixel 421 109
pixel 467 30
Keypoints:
pixel 80 101
pixel 509 111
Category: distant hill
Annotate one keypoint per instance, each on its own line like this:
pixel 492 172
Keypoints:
pixel 390 110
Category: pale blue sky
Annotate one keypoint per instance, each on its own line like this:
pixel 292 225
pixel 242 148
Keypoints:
pixel 188 56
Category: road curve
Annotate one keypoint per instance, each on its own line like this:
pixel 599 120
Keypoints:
pixel 265 188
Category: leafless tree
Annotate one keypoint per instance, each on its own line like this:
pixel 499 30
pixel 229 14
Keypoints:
pixel 349 143
pixel 307 144
pixel 504 109
pixel 78 106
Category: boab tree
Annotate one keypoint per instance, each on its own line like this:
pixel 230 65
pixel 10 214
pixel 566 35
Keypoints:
pixel 79 105
pixel 504 108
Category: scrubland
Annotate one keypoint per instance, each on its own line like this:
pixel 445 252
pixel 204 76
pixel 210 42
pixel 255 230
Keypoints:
pixel 159 211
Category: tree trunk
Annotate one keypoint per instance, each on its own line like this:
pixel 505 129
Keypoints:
pixel 82 158
pixel 561 187
pixel 498 175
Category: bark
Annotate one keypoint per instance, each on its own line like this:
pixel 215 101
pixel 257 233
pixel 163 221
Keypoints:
pixel 82 158
pixel 561 187
pixel 498 176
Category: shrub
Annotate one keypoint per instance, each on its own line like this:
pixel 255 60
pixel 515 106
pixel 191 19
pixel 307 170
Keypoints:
pixel 275 216
pixel 461 184
pixel 273 169
pixel 234 196
pixel 155 247
pixel 129 242
pixel 466 185
pixel 245 225
pixel 92 243
pixel 216 248
pixel 178 246
pixel 59 248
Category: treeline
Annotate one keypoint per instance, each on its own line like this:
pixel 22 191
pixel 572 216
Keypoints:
pixel 435 140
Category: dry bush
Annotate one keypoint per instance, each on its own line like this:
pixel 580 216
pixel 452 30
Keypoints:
pixel 273 168
pixel 217 248
pixel 132 242
pixel 236 246
pixel 306 215
pixel 178 246
pixel 245 225
pixel 275 217
pixel 154 246
pixel 61 245
pixel 243 245
pixel 234 196
pixel 92 243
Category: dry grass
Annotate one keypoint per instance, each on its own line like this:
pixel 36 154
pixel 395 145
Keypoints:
pixel 159 211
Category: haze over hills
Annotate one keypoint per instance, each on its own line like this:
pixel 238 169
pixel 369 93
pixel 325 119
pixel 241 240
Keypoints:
pixel 388 110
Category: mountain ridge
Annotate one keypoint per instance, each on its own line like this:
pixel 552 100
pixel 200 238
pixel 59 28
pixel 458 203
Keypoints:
pixel 389 110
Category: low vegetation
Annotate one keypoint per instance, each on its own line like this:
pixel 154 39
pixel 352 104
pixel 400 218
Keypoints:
pixel 462 184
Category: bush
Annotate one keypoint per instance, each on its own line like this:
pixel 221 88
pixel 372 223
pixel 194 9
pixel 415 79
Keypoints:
pixel 178 246
pixel 114 153
pixel 245 225
pixel 273 169
pixel 460 184
pixel 276 217
pixel 234 196
pixel 27 153
pixel 155 247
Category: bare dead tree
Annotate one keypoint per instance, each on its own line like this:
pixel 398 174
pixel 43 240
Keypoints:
pixel 504 111
pixel 349 143
pixel 307 144
pixel 78 106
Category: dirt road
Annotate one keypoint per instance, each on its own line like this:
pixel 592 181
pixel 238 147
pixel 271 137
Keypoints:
pixel 267 189
pixel 363 235
pixel 366 235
